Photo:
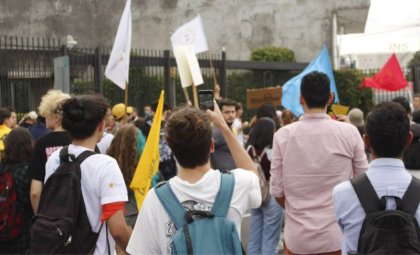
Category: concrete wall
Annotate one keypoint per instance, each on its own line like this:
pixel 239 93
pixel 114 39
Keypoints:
pixel 237 25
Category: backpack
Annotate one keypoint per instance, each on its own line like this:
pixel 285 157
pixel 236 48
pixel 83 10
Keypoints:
pixel 202 232
pixel 264 185
pixel 11 214
pixel 61 225
pixel 388 231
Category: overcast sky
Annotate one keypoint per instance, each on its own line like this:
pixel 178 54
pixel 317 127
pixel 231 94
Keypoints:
pixel 391 26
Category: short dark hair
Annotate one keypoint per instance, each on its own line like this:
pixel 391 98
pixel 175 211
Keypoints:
pixel 18 146
pixel 5 113
pixel 387 126
pixel 416 116
pixel 238 106
pixel 262 133
pixel 226 102
pixel 268 110
pixel 315 89
pixel 403 101
pixel 189 135
pixel 82 114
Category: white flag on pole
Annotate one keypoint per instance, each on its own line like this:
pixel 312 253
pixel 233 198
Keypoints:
pixel 188 67
pixel 119 60
pixel 191 33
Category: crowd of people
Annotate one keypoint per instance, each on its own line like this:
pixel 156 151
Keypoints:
pixel 311 164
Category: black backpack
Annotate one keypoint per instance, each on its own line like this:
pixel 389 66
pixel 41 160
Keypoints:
pixel 61 225
pixel 388 231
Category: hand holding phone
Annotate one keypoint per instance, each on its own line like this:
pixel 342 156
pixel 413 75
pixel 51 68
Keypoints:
pixel 205 99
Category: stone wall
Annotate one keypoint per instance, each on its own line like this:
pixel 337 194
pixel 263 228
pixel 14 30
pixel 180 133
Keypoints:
pixel 237 25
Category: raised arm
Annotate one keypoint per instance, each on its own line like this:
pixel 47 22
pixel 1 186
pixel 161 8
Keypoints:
pixel 239 154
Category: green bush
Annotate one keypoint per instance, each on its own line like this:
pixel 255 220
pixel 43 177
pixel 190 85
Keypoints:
pixel 348 87
pixel 273 54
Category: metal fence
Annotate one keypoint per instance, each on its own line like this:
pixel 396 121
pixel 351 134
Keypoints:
pixel 27 72
pixel 407 92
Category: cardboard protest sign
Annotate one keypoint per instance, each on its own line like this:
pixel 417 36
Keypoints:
pixel 257 97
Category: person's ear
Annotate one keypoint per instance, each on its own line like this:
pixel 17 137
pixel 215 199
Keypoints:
pixel 101 126
pixel 331 98
pixel 212 146
pixel 409 138
pixel 366 140
pixel 302 100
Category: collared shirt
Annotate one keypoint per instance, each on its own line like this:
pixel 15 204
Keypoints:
pixel 309 158
pixel 388 177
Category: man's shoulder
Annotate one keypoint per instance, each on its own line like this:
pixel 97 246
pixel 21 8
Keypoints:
pixel 243 176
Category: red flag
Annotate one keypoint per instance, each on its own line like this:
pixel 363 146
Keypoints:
pixel 390 77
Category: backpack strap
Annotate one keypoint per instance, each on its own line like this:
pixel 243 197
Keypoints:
pixel 171 203
pixel 367 194
pixel 224 196
pixel 256 157
pixel 411 199
pixel 65 157
pixel 84 155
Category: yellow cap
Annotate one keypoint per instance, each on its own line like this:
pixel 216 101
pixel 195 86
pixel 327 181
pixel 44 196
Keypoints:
pixel 129 109
pixel 118 111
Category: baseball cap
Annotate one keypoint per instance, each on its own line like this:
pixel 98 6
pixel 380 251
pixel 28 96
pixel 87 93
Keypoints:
pixel 118 110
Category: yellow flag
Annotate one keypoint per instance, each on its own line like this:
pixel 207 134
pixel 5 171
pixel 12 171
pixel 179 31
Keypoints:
pixel 149 161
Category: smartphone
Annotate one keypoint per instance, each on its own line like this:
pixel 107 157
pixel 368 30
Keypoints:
pixel 205 99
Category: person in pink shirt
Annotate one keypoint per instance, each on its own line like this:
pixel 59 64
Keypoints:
pixel 309 158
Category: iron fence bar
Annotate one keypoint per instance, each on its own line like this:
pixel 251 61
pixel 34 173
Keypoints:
pixel 222 74
pixel 167 79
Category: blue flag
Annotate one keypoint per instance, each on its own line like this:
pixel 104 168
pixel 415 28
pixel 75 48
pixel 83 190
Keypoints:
pixel 291 89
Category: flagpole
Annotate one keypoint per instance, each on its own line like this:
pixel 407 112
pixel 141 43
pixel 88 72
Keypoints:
pixel 186 95
pixel 125 120
pixel 194 88
pixel 213 72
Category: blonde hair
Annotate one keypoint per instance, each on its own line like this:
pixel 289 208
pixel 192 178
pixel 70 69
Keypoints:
pixel 51 102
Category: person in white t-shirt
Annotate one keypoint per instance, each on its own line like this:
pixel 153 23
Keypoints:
pixel 103 188
pixel 189 135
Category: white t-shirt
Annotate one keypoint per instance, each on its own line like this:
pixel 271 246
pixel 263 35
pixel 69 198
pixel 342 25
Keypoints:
pixel 237 126
pixel 105 142
pixel 154 228
pixel 102 183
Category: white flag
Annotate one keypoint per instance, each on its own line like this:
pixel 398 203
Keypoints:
pixel 191 33
pixel 119 60
pixel 188 67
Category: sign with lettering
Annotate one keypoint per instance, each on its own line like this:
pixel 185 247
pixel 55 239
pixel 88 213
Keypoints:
pixel 257 97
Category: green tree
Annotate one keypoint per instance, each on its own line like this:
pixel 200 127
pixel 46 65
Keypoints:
pixel 348 87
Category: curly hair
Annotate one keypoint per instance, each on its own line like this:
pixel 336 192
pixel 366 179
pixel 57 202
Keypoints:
pixel 189 135
pixel 51 102
pixel 18 146
pixel 124 149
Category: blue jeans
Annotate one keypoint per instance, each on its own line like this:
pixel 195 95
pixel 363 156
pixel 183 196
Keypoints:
pixel 265 229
